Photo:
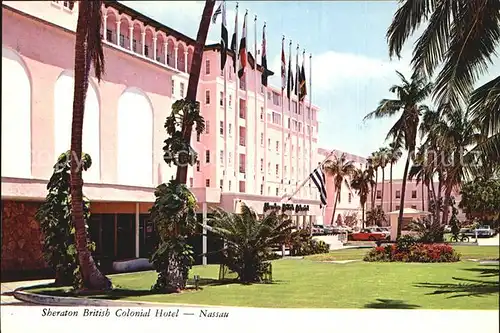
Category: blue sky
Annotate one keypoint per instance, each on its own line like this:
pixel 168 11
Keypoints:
pixel 351 69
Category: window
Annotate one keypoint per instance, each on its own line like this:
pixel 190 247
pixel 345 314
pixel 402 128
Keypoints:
pixel 262 139
pixel 207 182
pixel 182 89
pixel 230 100
pixel 398 195
pixel 221 103
pixel 198 137
pixel 269 95
pixel 268 168
pixel 261 189
pixel 146 50
pixel 230 129
pixel 379 194
pixel 261 113
pixel 308 113
pixel 284 169
pixel 207 67
pixel 276 98
pixel 229 186
pixel 69 4
pixel 242 187
pixel 288 123
pixel 269 144
pixel 109 35
pixel 294 106
pixel 173 87
pixel 198 166
pixel 277 146
pixel 414 194
pixel 221 128
pixel 414 206
pixel 207 156
pixel 122 40
pixel 207 127
pixel 207 96
pixel 397 207
pixel 191 182
pixel 277 170
pixel 277 191
pixel 300 127
pixel 269 189
pixel 222 157
pixel 261 165
pixel 276 118
pixel 229 158
pixel 349 199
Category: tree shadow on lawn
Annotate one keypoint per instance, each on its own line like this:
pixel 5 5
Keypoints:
pixel 467 287
pixel 390 304
pixel 120 292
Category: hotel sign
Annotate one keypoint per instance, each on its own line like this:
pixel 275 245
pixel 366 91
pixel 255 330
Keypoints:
pixel 285 207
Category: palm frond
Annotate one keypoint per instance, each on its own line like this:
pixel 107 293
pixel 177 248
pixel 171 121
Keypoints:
pixel 484 106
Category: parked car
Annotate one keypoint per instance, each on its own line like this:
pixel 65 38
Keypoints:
pixel 447 228
pixel 481 231
pixel 368 235
pixel 384 230
pixel 318 230
pixel 328 229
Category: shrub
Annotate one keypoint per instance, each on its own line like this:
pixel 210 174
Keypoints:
pixel 406 251
pixel 302 244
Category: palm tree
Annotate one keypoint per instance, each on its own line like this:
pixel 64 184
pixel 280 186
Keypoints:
pixel 340 169
pixel 194 78
pixel 383 157
pixel 461 36
pixel 362 181
pixel 374 164
pixel 249 240
pixel 410 95
pixel 394 156
pixel 88 50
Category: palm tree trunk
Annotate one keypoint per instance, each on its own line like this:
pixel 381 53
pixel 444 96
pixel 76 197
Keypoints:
pixel 422 195
pixel 390 189
pixel 446 208
pixel 376 187
pixel 194 76
pixel 383 185
pixel 402 202
pixel 438 199
pixel 92 278
pixel 363 215
pixel 337 195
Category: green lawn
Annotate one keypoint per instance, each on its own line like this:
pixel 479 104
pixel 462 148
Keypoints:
pixel 312 284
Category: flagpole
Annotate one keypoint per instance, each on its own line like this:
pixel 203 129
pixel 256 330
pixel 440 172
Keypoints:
pixel 310 114
pixel 236 157
pixel 282 130
pixel 224 178
pixel 256 91
pixel 297 164
pixel 308 176
pixel 289 83
pixel 303 116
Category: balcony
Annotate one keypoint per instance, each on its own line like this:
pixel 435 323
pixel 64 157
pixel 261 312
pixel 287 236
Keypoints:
pixel 137 38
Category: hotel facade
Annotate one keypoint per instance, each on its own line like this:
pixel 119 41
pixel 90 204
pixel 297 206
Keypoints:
pixel 254 149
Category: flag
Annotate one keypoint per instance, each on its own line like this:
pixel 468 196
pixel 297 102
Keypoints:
pixel 302 79
pixel 318 178
pixel 264 57
pixel 233 39
pixel 289 87
pixel 297 75
pixel 217 12
pixel 243 49
pixel 283 66
pixel 223 37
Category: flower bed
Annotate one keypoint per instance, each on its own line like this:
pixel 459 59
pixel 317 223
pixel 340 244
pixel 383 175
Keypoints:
pixel 413 253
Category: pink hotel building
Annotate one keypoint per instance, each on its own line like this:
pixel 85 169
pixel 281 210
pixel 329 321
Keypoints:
pixel 250 152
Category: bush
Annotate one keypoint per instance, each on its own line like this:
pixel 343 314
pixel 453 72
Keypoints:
pixel 406 251
pixel 302 244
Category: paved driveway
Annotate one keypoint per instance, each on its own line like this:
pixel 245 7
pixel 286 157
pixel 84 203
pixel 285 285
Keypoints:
pixel 492 241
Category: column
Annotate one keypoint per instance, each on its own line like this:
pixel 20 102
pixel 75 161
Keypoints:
pixel 143 34
pixel 165 47
pixel 105 27
pixel 137 230
pixel 131 37
pixel 118 33
pixel 154 48
pixel 185 61
pixel 204 237
pixel 176 51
